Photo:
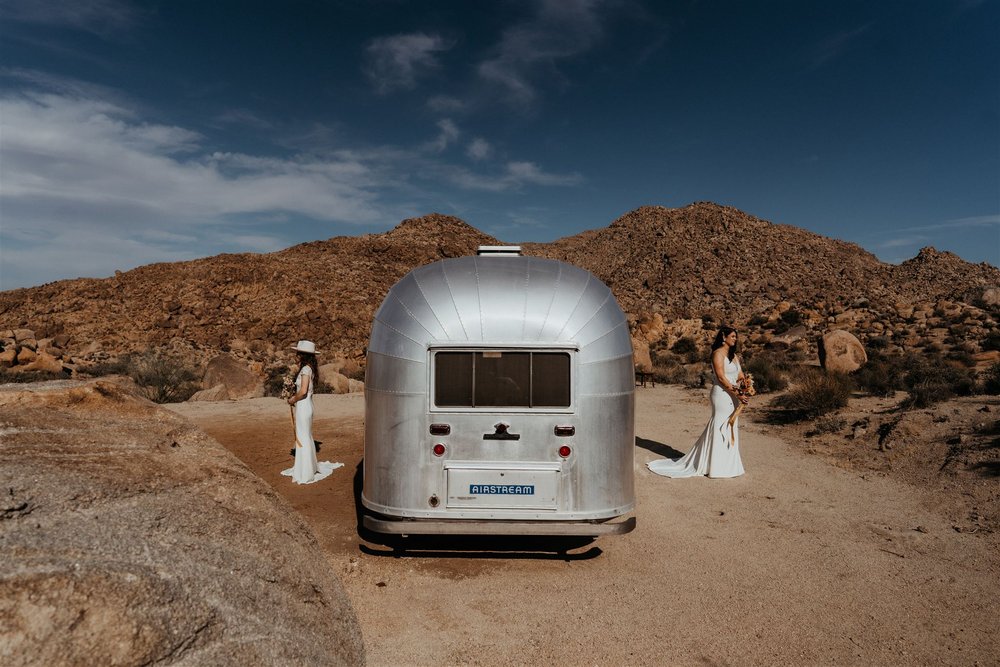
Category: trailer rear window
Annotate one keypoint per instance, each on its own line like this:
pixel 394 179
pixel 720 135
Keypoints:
pixel 501 379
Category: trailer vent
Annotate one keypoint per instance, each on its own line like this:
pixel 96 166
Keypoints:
pixel 499 250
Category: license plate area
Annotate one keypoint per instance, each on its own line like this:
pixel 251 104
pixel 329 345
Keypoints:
pixel 502 485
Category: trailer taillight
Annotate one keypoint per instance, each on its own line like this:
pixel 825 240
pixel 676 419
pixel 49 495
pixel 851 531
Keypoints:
pixel 438 449
pixel 565 451
pixel 440 429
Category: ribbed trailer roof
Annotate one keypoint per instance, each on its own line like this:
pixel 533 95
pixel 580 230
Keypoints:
pixel 500 300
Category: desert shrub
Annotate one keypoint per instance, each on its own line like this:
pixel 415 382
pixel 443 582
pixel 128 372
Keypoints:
pixel 669 371
pixel 769 372
pixel 992 340
pixel 817 393
pixel 161 378
pixel 828 424
pixel 878 343
pixel 7 376
pixel 687 348
pixel 961 356
pixel 787 320
pixel 932 380
pixel 881 375
pixel 275 380
pixel 990 380
pixel 757 321
pixel 358 374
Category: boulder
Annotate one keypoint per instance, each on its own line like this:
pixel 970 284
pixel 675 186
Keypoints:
pixel 134 538
pixel 338 383
pixel 990 296
pixel 238 380
pixel 355 386
pixel 841 352
pixel 25 356
pixel 44 362
pixel 23 335
pixel 216 393
pixel 8 357
pixel 640 355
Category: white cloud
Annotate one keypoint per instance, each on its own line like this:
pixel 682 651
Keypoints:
pixel 396 62
pixel 479 149
pixel 88 187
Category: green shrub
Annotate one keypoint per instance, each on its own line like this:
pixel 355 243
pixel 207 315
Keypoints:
pixel 932 380
pixel 817 393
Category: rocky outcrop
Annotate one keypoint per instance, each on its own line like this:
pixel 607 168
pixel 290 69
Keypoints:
pixel 130 537
pixel 676 272
pixel 235 379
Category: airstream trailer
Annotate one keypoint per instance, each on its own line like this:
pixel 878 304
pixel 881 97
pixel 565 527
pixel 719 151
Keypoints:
pixel 499 399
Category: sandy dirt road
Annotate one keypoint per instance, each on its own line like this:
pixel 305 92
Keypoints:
pixel 798 562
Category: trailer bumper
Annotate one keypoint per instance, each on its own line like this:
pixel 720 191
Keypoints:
pixel 496 527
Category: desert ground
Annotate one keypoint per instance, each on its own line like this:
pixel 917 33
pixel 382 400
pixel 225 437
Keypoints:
pixel 798 562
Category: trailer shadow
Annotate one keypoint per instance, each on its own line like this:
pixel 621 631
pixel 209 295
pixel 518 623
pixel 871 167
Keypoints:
pixel 465 546
pixel 658 448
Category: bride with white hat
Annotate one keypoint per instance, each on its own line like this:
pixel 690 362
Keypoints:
pixel 306 469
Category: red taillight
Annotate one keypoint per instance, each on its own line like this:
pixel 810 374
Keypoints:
pixel 438 449
pixel 440 429
pixel 565 430
pixel 565 451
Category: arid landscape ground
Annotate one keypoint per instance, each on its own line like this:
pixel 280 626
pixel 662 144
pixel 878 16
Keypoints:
pixel 801 561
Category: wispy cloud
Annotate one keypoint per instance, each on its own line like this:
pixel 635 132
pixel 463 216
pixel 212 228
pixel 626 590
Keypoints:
pixel 447 135
pixel 479 149
pixel 398 61
pixel 88 186
pixel 101 17
pixel 561 29
pixel 837 44
pixel 992 220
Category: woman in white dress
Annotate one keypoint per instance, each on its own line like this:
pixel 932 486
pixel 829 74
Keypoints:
pixel 717 451
pixel 306 469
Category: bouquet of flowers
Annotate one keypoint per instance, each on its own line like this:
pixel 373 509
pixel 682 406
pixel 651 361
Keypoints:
pixel 288 388
pixel 744 388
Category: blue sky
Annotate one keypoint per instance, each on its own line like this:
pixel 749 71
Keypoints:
pixel 138 132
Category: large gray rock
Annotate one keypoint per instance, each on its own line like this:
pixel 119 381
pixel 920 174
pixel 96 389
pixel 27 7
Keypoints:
pixel 129 537
pixel 841 352
pixel 239 381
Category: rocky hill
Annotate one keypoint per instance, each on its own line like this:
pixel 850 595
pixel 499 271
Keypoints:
pixel 675 271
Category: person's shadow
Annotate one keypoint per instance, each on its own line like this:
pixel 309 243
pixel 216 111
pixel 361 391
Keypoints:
pixel 658 448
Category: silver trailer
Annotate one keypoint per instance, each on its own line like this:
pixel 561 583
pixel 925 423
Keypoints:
pixel 499 399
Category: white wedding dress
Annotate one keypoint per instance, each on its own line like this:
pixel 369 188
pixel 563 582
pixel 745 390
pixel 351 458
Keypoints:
pixel 306 469
pixel 717 451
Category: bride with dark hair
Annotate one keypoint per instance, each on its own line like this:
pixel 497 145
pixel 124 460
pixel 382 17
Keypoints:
pixel 717 451
pixel 306 469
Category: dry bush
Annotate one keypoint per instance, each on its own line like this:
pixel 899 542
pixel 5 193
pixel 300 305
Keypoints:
pixel 816 393
pixel 932 380
pixel 828 424
pixel 160 377
pixel 7 376
pixel 989 383
pixel 769 372
pixel 882 374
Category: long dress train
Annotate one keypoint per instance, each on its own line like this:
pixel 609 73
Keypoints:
pixel 306 469
pixel 717 451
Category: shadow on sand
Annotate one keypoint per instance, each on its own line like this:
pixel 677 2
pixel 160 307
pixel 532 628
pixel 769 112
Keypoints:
pixel 658 448
pixel 466 546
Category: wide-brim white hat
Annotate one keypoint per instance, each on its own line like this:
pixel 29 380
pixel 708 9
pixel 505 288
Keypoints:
pixel 305 346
